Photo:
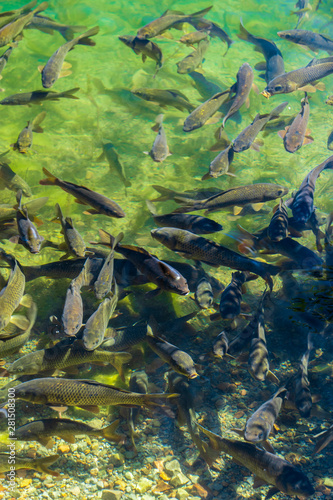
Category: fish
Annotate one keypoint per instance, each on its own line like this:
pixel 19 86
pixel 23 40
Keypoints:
pixel 303 8
pixel 298 79
pixel 204 112
pixel 194 59
pixel 278 226
pixel 74 243
pixel 72 315
pixel 24 140
pixel 194 37
pixel 166 21
pixel 11 31
pixel 301 203
pixel 324 440
pixel 40 464
pixel 245 139
pixel 110 154
pixel 204 295
pixel 260 425
pixel 238 196
pixel 180 361
pixel 4 59
pixel 94 330
pixel 103 283
pixel 12 295
pixel 87 394
pixel 160 149
pixel 215 31
pixel 47 25
pixel 221 164
pixel 10 15
pixel 43 430
pixel 117 339
pixel 37 97
pixel 315 41
pixel 300 385
pixel 65 354
pixel 220 345
pixel 13 181
pixel 274 65
pixel 241 89
pixel 164 97
pixel 297 134
pixel 54 67
pixel 231 297
pixel 158 272
pixel 196 194
pixel 276 124
pixel 186 413
pixel 14 343
pixel 138 383
pixel 206 88
pixel 268 468
pixel 28 235
pixel 194 223
pixel 198 248
pixel 100 204
pixel 146 48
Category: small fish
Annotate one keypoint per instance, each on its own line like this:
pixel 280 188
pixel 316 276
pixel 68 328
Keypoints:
pixel 194 37
pixel 138 383
pixel 300 384
pixel 194 223
pixel 103 283
pixel 87 394
pixel 194 59
pixel 40 464
pixel 100 204
pixel 231 297
pixel 303 8
pixel 146 48
pixel 110 154
pixel 242 87
pixel 24 140
pixel 180 361
pixel 220 345
pixel 278 226
pixel 238 196
pixel 4 59
pixel 167 97
pixel 12 30
pixel 325 438
pixel 206 88
pixel 53 68
pixel 315 41
pixel 47 25
pixel 204 295
pixel 13 181
pixel 72 315
pixel 166 21
pixel 267 467
pixel 160 150
pixel 221 164
pixel 43 430
pixel 259 426
pixel 299 79
pixel 274 65
pixel 74 243
pixel 28 235
pixel 297 134
pixel 214 30
pixel 37 97
pixel 204 112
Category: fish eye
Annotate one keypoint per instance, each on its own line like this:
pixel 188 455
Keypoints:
pixel 277 88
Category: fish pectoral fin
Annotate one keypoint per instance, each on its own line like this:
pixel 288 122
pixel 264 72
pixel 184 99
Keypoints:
pixel 237 210
pixel 272 378
pixel 214 119
pixel 91 408
pixel 91 211
pixel 257 482
pixel 282 133
pixel 46 441
pixel 320 86
pixel 14 239
pixel 255 90
pixel 308 88
pixel 257 206
pixel 240 432
pixel 68 439
pixel 144 58
pixel 79 201
pixel 307 140
pixel 268 447
pixel 243 357
pixel 41 67
pixel 20 321
pixel 64 72
pixel 26 301
pixel 59 409
pixel 271 492
pixel 260 66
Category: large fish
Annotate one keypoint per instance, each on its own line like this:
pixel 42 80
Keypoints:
pixel 12 30
pixel 146 48
pixel 87 394
pixel 267 467
pixel 115 165
pixel 100 204
pixel 242 87
pixel 10 15
pixel 315 41
pixel 194 59
pixel 297 133
pixel 278 226
pixel 24 140
pixel 37 97
pixel 204 112
pixel 47 25
pixel 75 245
pixel 40 464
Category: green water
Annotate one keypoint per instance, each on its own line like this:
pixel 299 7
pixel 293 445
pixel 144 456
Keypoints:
pixel 74 131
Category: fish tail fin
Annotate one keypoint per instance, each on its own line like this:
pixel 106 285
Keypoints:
pixel 68 31
pixel 37 121
pixel 120 359
pixel 167 194
pixel 244 34
pixel 68 94
pixel 151 207
pixel 109 433
pixel 158 399
pixel 158 122
pixel 201 13
pixel 19 198
pixel 213 439
pixel 50 180
pixel 84 39
pixel 42 465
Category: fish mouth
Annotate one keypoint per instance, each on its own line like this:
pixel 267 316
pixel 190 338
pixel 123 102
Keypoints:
pixel 266 94
pixel 193 375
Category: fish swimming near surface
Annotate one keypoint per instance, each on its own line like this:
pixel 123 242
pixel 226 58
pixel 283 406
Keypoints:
pixel 10 15
pixel 28 235
pixel 204 112
pixel 37 97
pixel 160 149
pixel 165 97
pixel 13 181
pixel 194 59
pixel 24 140
pixel 110 154
pixel 12 31
pixel 315 41
pixel 146 48
pixel 74 242
pixel 297 134
pixel 100 204
pixel 47 25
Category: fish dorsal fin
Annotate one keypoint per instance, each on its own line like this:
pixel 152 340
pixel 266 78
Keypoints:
pixel 171 12
pixel 136 249
pixel 94 382
pixel 177 93
pixel 168 270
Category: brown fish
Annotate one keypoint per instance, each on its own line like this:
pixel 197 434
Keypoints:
pixel 297 133
pixel 241 89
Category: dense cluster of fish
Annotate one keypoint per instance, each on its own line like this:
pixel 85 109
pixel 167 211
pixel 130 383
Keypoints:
pixel 90 339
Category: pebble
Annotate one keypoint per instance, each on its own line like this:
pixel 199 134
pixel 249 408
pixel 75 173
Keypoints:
pixel 128 475
pixel 173 466
pixel 112 495
pixel 182 494
pixel 117 459
pixel 178 479
pixel 328 481
pixel 143 485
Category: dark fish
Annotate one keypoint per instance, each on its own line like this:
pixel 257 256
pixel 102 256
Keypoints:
pixel 194 59
pixel 194 223
pixel 73 240
pixel 278 226
pixel 87 394
pixel 195 247
pixel 302 202
pixel 325 438
pixel 54 67
pixel 204 295
pixel 38 96
pixel 100 204
pixel 117 339
pixel 13 29
pixel 300 384
pixel 40 464
pixel 13 181
pixel 298 79
pixel 28 234
pixel 167 97
pixel 231 297
pixel 47 25
pixel 4 59
pixel 297 133
pixel 274 61
pixel 259 426
pixel 138 383
pixel 113 160
pixel 238 196
pixel 146 48
pixel 42 431
pixel 24 140
pixel 221 163
pixel 242 87
pixel 160 149
pixel 204 112
pixel 267 467
pixel 166 21
pixel 214 30
pixel 220 345
pixel 315 41
pixel 194 37
pixel 180 361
